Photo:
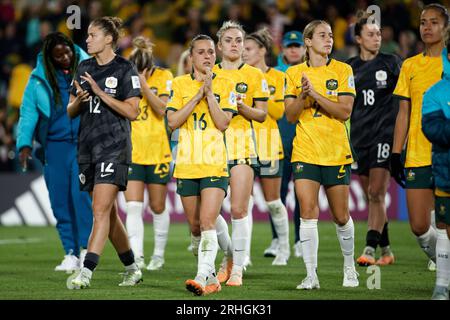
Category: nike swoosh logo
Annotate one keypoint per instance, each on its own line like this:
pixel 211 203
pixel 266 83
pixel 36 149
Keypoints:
pixel 105 175
pixel 237 250
pixel 340 176
pixel 301 241
pixel 380 161
pixel 163 175
pixel 214 180
pixel 347 238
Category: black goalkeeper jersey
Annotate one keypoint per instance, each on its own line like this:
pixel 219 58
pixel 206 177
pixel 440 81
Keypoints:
pixel 104 135
pixel 375 109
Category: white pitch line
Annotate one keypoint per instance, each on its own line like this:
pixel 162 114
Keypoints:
pixel 19 241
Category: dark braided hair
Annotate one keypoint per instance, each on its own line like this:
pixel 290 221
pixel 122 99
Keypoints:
pixel 50 42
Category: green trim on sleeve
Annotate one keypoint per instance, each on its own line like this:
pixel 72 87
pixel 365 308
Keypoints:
pixel 290 96
pixel 401 97
pixel 233 111
pixel 171 108
pixel 347 94
pixel 260 99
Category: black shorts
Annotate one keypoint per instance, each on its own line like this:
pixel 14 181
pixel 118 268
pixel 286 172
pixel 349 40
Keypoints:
pixel 91 174
pixel 376 156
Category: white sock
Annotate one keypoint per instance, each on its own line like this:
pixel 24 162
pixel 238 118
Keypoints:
pixel 135 227
pixel 250 224
pixel 87 272
pixel 223 236
pixel 442 259
pixel 132 267
pixel 346 236
pixel 280 221
pixel 195 243
pixel 239 239
pixel 207 253
pixel 309 236
pixel 433 219
pixel 427 242
pixel 161 223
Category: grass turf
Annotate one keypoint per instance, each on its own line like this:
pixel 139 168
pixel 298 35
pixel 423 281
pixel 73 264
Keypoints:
pixel 26 269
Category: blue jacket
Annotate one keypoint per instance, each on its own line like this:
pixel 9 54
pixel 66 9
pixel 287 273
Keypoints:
pixel 436 126
pixel 37 105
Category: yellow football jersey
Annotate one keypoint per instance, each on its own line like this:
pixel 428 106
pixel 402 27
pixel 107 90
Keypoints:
pixel 148 132
pixel 251 85
pixel 268 138
pixel 320 138
pixel 417 75
pixel 201 146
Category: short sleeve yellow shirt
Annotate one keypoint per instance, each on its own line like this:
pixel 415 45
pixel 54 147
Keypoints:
pixel 201 147
pixel 417 75
pixel 148 132
pixel 320 138
pixel 251 86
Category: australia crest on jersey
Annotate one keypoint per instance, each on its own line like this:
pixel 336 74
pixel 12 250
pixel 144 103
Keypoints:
pixel 241 87
pixel 272 90
pixel 332 84
pixel 110 85
pixel 111 82
pixel 381 77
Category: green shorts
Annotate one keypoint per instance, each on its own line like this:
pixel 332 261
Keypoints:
pixel 419 178
pixel 193 187
pixel 270 168
pixel 252 162
pixel 150 174
pixel 325 175
pixel 442 210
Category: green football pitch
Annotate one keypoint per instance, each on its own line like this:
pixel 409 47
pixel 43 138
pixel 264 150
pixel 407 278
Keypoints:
pixel 28 256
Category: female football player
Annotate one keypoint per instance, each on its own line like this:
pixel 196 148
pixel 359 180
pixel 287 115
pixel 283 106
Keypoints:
pixel 319 97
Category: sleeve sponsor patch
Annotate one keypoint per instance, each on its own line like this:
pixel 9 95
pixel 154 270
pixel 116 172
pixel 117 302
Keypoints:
pixel 264 85
pixel 135 82
pixel 232 98
pixel 351 82
pixel 169 85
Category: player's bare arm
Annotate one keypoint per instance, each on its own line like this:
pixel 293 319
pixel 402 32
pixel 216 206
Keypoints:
pixel 128 108
pixel 74 106
pixel 340 110
pixel 176 118
pixel 401 126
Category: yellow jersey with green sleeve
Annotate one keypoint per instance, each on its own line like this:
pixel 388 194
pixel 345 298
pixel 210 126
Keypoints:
pixel 417 75
pixel 268 138
pixel 148 132
pixel 251 86
pixel 201 147
pixel 320 138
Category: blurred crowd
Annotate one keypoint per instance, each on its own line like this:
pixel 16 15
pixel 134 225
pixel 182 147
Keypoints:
pixel 170 25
